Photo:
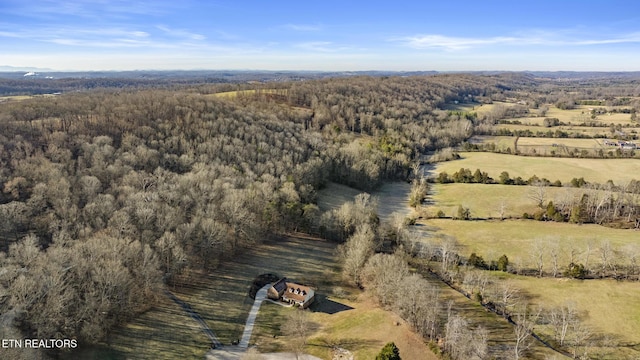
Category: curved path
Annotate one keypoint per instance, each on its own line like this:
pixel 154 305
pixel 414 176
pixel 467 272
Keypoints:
pixel 251 319
pixel 215 343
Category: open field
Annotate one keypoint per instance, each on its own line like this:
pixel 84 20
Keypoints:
pixel 233 94
pixel 15 98
pixel 569 129
pixel 356 324
pixel 546 146
pixel 392 197
pixel 485 200
pixel 582 113
pixel 221 298
pixel 508 141
pixel 23 97
pixel 351 322
pixel 518 238
pixel 620 171
pixel 463 107
pixel 595 300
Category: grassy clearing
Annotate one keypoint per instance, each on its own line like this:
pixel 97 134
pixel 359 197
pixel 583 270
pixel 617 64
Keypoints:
pixel 485 200
pixel 544 146
pixel 573 143
pixel 595 301
pixel 517 238
pixel 392 197
pixel 362 328
pixel 221 298
pixel 334 195
pixel 234 94
pixel 586 131
pixel 582 113
pixel 164 332
pixel 463 107
pixel 620 171
pixel 15 98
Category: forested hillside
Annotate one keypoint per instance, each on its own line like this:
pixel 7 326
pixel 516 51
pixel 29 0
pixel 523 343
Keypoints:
pixel 109 194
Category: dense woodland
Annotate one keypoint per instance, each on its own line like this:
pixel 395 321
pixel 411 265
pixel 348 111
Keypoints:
pixel 108 194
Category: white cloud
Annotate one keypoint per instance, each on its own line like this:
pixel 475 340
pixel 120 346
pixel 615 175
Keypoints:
pixel 181 33
pixel 452 43
pixel 302 27
pixel 559 38
pixel 318 46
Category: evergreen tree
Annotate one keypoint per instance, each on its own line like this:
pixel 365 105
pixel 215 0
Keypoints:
pixel 389 352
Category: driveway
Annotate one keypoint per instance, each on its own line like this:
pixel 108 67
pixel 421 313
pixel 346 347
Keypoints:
pixel 251 319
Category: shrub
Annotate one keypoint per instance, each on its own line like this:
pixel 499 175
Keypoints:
pixel 389 352
pixel 477 261
pixel 576 271
pixel 503 263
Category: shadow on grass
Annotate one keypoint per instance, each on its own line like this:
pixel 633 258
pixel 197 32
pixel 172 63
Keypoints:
pixel 325 305
pixel 351 344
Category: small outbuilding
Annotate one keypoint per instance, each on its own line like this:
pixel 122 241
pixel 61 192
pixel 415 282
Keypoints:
pixel 291 293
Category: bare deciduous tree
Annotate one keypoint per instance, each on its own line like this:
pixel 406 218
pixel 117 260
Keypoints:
pixel 538 192
pixel 297 327
pixel 356 251
pixel 524 322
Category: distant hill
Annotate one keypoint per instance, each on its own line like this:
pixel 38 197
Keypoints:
pixel 6 68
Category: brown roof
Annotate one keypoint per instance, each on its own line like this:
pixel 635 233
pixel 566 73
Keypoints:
pixel 297 292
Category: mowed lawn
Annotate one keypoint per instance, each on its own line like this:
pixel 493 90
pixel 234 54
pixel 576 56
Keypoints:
pixel 621 171
pixel 608 308
pixel 517 239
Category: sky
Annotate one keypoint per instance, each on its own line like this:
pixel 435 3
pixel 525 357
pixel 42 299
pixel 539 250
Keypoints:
pixel 328 35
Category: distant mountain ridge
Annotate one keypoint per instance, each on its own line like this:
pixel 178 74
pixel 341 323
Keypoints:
pixel 7 68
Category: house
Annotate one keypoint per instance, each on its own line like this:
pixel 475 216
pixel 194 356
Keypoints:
pixel 291 293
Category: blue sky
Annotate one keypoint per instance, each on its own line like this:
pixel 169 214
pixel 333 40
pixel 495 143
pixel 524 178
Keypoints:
pixel 321 35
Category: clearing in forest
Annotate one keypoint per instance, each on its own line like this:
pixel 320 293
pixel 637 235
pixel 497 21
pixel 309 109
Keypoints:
pixel 393 197
pixel 221 297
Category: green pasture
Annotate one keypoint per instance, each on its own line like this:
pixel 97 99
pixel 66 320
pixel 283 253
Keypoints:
pixel 520 239
pixel 571 130
pixel 486 200
pixel 582 113
pixel 609 308
pixel 621 171
pixel 545 146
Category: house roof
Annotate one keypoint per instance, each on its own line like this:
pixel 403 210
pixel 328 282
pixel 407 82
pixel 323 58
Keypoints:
pixel 280 285
pixel 297 292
